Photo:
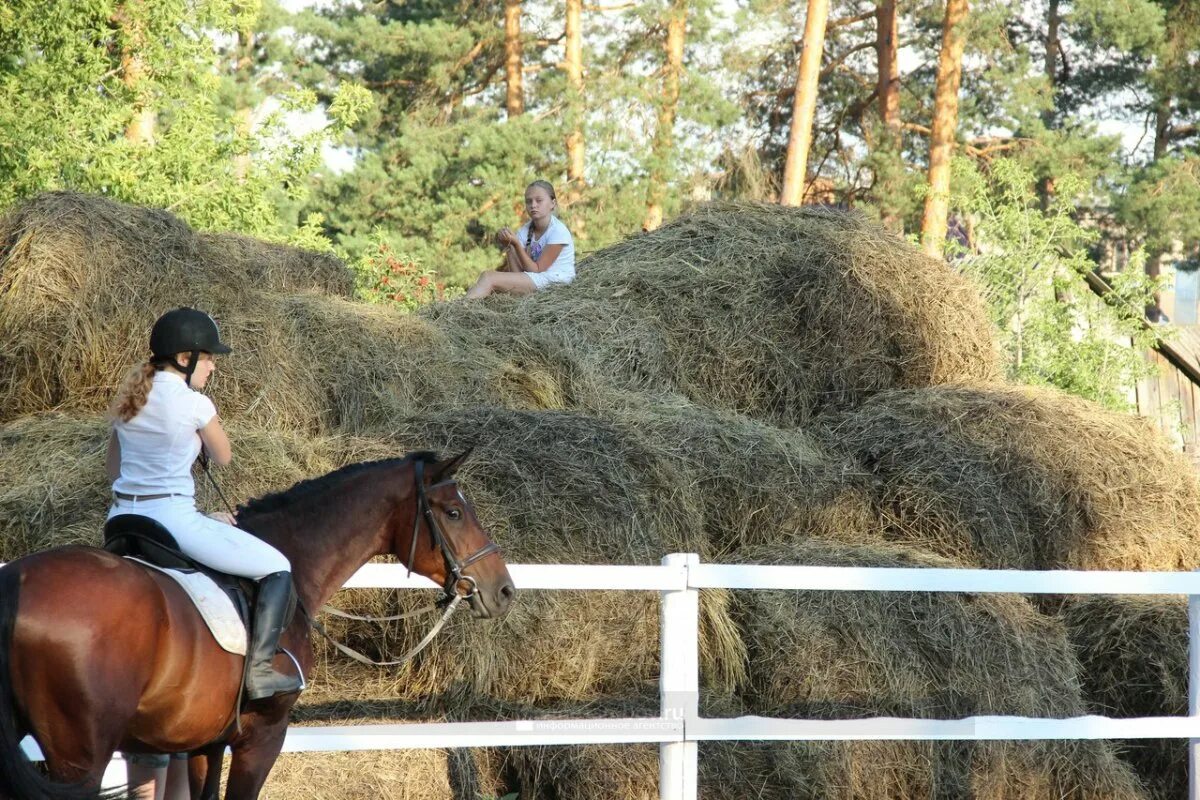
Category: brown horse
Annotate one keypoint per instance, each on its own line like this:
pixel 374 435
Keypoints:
pixel 98 653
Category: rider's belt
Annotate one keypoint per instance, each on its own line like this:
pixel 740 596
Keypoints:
pixel 143 497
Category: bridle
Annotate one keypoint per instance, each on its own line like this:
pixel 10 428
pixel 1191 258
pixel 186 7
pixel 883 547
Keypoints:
pixel 454 568
pixel 455 577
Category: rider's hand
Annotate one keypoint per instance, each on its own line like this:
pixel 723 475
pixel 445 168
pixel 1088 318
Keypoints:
pixel 223 516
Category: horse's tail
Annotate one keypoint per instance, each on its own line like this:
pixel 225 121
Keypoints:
pixel 19 778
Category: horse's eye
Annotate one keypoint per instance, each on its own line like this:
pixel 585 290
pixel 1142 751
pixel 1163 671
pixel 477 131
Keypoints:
pixel 454 513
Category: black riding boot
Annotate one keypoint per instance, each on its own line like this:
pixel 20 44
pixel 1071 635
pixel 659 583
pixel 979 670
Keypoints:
pixel 274 605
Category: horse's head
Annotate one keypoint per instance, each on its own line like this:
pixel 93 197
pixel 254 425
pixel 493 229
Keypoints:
pixel 448 545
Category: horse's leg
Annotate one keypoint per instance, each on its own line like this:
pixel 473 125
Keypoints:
pixel 204 772
pixel 253 757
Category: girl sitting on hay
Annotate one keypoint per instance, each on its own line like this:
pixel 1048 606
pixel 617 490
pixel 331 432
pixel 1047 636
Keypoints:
pixel 539 254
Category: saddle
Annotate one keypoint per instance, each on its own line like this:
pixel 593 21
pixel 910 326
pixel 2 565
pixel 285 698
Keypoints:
pixel 222 600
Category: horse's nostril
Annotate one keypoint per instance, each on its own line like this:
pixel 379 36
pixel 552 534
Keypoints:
pixel 508 591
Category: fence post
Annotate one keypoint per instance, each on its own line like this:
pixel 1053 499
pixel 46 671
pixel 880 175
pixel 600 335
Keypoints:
pixel 679 683
pixel 1194 693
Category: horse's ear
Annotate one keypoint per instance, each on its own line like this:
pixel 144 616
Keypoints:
pixel 442 470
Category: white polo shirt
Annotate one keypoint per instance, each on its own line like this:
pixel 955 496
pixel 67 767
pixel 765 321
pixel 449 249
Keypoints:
pixel 159 445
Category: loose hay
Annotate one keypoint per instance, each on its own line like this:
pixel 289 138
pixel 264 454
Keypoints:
pixel 388 775
pixel 82 279
pixel 776 313
pixel 1023 478
pixel 1134 657
pixel 841 655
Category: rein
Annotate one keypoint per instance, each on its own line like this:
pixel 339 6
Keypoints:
pixel 450 593
pixel 362 659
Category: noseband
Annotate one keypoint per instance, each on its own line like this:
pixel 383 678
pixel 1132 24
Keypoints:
pixel 454 567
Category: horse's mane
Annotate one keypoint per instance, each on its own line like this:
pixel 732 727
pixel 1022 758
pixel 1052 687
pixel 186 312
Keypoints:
pixel 279 500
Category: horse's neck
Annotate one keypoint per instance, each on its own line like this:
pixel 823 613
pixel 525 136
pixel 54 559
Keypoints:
pixel 328 537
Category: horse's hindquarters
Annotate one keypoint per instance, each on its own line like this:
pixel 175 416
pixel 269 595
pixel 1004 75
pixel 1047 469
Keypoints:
pixel 102 654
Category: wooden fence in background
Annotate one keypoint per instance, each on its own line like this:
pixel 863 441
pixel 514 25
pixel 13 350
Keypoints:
pixel 1171 397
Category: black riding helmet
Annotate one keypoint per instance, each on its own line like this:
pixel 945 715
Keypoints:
pixel 185 330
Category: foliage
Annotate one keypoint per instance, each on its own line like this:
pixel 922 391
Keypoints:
pixel 79 78
pixel 1163 201
pixel 440 166
pixel 1032 266
pixel 383 276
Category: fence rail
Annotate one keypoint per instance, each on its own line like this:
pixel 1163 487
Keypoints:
pixel 679 727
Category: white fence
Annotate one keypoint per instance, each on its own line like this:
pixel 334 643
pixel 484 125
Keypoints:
pixel 679 726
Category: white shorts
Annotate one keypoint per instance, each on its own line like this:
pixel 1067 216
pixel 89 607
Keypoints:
pixel 217 545
pixel 543 279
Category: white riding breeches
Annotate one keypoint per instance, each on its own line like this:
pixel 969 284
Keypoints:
pixel 217 545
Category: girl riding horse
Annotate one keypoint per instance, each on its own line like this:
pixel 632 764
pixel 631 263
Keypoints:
pixel 161 423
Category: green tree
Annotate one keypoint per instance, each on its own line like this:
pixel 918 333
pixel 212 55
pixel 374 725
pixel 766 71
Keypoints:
pixel 439 164
pixel 124 99
pixel 1032 264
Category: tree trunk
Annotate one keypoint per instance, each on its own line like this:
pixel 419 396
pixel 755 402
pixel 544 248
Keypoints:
pixel 888 91
pixel 574 69
pixel 129 18
pixel 1162 127
pixel 514 97
pixel 945 122
pixel 804 103
pixel 243 115
pixel 1045 187
pixel 663 146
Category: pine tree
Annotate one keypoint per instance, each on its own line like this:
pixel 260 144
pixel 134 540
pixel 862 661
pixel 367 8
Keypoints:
pixel 804 103
pixel 944 128
pixel 124 99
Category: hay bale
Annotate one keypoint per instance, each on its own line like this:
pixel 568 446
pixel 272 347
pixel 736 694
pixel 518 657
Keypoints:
pixel 754 483
pixel 52 485
pixel 1134 657
pixel 1023 478
pixel 774 312
pixel 839 655
pixel 82 278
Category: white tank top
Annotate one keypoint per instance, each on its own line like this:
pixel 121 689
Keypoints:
pixel 159 445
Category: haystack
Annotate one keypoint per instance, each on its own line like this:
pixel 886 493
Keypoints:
pixel 839 655
pixel 776 313
pixel 779 312
pixel 82 278
pixel 1023 478
pixel 1134 657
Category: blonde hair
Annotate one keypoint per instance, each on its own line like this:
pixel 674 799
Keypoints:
pixel 133 393
pixel 540 184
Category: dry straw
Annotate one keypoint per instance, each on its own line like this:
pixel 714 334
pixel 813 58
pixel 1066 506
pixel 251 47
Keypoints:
pixel 82 278
pixel 1023 477
pixel 750 383
pixel 773 313
pixel 839 655
pixel 1134 656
